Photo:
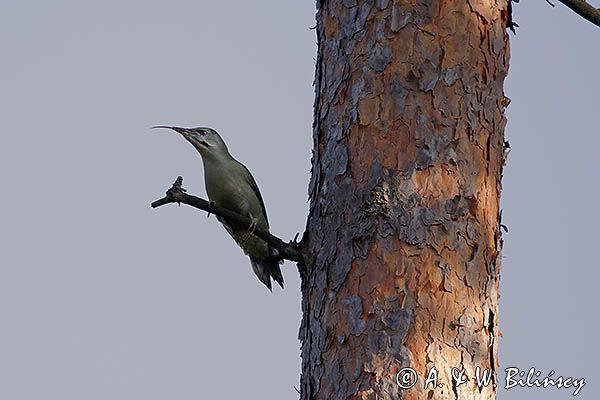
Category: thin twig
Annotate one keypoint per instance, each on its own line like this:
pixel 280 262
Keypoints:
pixel 176 194
pixel 584 9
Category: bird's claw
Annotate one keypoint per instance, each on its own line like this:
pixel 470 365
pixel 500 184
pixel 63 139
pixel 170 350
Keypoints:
pixel 253 224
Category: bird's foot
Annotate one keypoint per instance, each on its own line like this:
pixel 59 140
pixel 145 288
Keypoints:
pixel 253 224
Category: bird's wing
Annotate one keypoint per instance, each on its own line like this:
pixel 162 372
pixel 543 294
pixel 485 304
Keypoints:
pixel 256 191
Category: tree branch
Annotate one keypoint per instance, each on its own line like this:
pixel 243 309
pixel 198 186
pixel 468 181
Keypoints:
pixel 584 9
pixel 176 194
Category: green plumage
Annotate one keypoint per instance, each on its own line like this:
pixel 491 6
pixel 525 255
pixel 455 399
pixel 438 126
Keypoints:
pixel 230 185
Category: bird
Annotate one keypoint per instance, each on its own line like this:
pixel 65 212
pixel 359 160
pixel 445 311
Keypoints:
pixel 230 184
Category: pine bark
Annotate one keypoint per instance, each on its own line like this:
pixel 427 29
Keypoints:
pixel 403 235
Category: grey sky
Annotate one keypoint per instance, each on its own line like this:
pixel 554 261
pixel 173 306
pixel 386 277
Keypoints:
pixel 102 297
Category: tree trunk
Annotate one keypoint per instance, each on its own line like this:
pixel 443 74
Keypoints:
pixel 403 235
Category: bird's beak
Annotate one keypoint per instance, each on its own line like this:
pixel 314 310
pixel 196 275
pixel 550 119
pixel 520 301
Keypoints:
pixel 189 134
pixel 184 131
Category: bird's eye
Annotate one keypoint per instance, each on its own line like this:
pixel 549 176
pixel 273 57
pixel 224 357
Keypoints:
pixel 202 132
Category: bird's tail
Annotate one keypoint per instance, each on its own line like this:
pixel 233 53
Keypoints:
pixel 267 268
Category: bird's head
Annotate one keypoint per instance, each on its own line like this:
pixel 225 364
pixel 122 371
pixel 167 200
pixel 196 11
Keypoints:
pixel 206 140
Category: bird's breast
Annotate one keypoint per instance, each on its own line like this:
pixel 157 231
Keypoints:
pixel 228 185
pixel 231 191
